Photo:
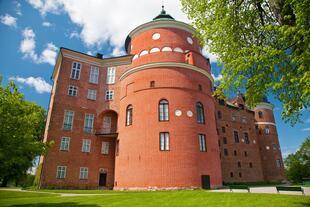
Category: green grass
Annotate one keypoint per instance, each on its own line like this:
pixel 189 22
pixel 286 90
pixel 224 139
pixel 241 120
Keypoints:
pixel 184 198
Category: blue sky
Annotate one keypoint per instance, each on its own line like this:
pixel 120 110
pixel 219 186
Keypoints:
pixel 32 32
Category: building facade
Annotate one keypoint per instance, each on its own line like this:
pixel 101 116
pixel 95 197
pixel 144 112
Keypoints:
pixel 149 120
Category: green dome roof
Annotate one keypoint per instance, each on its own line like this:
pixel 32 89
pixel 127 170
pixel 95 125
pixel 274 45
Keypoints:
pixel 163 15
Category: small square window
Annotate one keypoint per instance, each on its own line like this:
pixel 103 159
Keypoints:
pixel 83 173
pixel 152 84
pixel 72 91
pixel 109 95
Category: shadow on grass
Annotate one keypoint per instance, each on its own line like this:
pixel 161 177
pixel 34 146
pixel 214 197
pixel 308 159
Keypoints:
pixel 64 204
pixel 304 204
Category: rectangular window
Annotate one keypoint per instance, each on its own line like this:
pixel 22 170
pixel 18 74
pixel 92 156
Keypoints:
pixel 236 136
pixel 109 95
pixel 61 172
pixel 68 120
pixel 72 91
pixel 65 143
pixel 278 163
pixel 92 94
pixel 83 173
pixel 274 147
pixel 88 123
pixel 225 152
pixel 105 148
pixel 111 75
pixel 233 118
pixel 246 138
pixel 164 141
pixel 223 129
pixel 224 140
pixel 243 120
pixel 76 71
pixel 219 114
pixel 94 75
pixel 86 145
pixel 202 143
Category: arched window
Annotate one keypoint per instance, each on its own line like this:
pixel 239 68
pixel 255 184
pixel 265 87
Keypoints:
pixel 129 115
pixel 200 113
pixel 163 108
pixel 267 130
pixel 260 114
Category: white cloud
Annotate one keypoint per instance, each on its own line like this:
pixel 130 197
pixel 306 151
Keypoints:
pixel 213 57
pixel 39 84
pixel 118 52
pixel 18 8
pixel 28 45
pixel 74 34
pixel 217 78
pixel 306 129
pixel 110 21
pixel 8 20
pixel 47 24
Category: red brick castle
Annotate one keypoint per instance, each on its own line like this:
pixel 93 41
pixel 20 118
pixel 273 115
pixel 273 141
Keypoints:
pixel 149 120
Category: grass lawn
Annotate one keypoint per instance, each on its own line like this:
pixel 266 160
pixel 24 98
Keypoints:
pixel 181 198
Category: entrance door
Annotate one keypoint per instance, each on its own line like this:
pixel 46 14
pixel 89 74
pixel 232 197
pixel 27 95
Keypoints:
pixel 102 179
pixel 205 181
pixel 107 124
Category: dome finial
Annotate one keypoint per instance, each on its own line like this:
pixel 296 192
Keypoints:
pixel 163 8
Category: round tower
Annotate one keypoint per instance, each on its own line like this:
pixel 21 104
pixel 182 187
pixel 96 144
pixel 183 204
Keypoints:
pixel 167 129
pixel 272 164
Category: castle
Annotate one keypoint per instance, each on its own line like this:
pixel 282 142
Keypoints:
pixel 148 119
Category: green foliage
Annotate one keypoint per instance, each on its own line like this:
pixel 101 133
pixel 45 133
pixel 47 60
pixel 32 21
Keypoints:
pixel 263 45
pixel 21 133
pixel 298 164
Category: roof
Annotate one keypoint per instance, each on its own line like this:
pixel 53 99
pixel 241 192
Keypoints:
pixel 163 15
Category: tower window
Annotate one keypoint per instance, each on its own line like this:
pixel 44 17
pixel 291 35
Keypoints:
pixel 200 113
pixel 164 141
pixel 219 114
pixel 236 137
pixel 223 129
pixel 235 152
pixel 129 115
pixel 225 152
pixel 251 165
pixel 163 110
pixel 202 143
pixel 245 153
pixel 199 87
pixel 246 138
pixel 224 140
pixel 152 84
pixel 260 114
pixel 231 174
pixel 239 164
pixel 267 130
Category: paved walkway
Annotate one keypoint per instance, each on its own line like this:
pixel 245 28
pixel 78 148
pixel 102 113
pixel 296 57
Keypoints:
pixel 268 190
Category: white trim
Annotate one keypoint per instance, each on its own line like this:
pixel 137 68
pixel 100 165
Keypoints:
pixel 166 64
pixel 267 123
pixel 264 105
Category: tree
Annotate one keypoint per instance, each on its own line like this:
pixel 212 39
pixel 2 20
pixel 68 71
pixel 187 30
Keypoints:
pixel 263 45
pixel 22 126
pixel 298 164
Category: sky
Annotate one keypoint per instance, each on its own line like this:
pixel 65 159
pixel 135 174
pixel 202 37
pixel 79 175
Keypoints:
pixel 32 31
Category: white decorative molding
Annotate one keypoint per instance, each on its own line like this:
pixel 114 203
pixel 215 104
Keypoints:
pixel 190 40
pixel 155 49
pixel 135 57
pixel 166 49
pixel 166 64
pixel 155 36
pixel 144 52
pixel 177 49
pixel 266 123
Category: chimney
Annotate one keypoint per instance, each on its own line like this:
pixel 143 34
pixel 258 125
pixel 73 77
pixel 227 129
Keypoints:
pixel 99 55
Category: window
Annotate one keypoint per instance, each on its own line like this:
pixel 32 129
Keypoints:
pixel 88 123
pixel 239 164
pixel 76 70
pixel 267 130
pixel 199 87
pixel 240 174
pixel 129 115
pixel 202 143
pixel 83 173
pixel 86 145
pixel 233 118
pixel 231 174
pixel 163 110
pixel 225 152
pixel 224 140
pixel 92 94
pixel 64 143
pixel 278 163
pixel 68 120
pixel 111 75
pixel 61 172
pixel 223 129
pixel 94 75
pixel 260 114
pixel 219 114
pixel 222 102
pixel 246 138
pixel 245 153
pixel 72 91
pixel 236 137
pixel 243 120
pixel 109 95
pixel 274 147
pixel 164 141
pixel 105 148
pixel 250 165
pixel 235 153
pixel 200 113
pixel 152 84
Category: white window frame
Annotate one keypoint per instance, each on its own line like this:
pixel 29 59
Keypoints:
pixel 164 141
pixel 267 130
pixel 86 145
pixel 105 148
pixel 72 90
pixel 92 94
pixel 94 74
pixel 61 172
pixel 83 173
pixel 89 123
pixel 76 71
pixel 111 71
pixel 64 144
pixel 202 142
pixel 109 95
pixel 67 119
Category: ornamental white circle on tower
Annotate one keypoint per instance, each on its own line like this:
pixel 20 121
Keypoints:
pixel 178 112
pixel 190 40
pixel 155 36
